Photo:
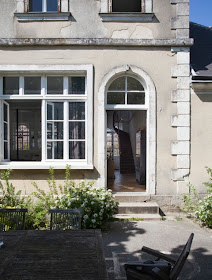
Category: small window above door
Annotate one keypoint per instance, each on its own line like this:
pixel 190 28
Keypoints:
pixel 126 90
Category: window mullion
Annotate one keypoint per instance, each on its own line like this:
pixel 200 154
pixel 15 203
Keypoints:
pixel 125 90
pixel 21 85
pixel 66 131
pixel 65 85
pixel 43 85
pixel 44 129
pixel 44 6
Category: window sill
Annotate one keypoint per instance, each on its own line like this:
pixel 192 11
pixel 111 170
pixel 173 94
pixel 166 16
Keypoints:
pixel 41 165
pixel 127 17
pixel 23 17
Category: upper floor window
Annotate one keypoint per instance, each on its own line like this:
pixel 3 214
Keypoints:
pixel 43 5
pixel 126 6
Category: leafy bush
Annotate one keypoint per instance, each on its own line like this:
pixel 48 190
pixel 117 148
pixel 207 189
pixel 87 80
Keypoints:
pixel 198 208
pixel 97 205
pixel 9 197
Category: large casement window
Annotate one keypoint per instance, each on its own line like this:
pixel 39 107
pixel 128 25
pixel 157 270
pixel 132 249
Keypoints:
pixel 47 117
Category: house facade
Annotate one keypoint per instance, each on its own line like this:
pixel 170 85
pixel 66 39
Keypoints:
pixel 103 86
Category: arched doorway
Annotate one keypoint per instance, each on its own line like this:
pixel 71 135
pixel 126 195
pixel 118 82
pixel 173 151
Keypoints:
pixel 128 93
pixel 126 135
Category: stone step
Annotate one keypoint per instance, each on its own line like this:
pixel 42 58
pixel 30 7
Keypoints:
pixel 143 217
pixel 138 208
pixel 131 197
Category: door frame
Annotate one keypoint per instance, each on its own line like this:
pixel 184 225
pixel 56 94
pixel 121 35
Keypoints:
pixel 149 107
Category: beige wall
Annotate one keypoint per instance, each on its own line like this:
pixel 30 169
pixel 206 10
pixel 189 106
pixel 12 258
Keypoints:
pixel 85 22
pixel 156 62
pixel 201 138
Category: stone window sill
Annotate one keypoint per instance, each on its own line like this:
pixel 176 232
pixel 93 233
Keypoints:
pixel 127 17
pixel 23 17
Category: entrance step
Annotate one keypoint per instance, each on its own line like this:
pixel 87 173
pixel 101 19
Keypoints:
pixel 138 208
pixel 144 217
pixel 131 197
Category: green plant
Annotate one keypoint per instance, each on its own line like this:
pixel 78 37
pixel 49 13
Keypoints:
pixel 97 205
pixel 9 197
pixel 197 207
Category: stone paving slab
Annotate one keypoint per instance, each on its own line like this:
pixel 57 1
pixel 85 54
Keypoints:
pixel 123 241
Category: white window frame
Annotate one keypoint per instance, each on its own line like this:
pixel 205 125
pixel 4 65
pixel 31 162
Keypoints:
pixel 44 71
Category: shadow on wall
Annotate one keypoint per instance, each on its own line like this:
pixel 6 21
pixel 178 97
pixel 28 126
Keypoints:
pixel 207 97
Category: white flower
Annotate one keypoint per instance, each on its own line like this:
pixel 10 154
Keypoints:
pixel 85 217
pixel 95 215
pixel 93 221
pixel 92 202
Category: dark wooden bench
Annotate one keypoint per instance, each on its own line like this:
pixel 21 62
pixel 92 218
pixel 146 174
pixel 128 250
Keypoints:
pixel 62 219
pixel 12 219
pixel 134 269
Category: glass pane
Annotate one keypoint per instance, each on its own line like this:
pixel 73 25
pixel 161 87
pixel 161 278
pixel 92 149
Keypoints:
pixel 58 130
pixel 25 131
pixel 49 130
pixel 55 85
pixel 52 5
pixel 76 150
pixel 5 112
pixel 35 5
pixel 76 111
pixel 32 85
pixel 126 6
pixel 55 111
pixel 5 131
pixel 133 84
pixel 115 98
pixel 10 85
pixel 5 150
pixel 135 98
pixel 76 85
pixel 55 150
pixel 76 130
pixel 118 84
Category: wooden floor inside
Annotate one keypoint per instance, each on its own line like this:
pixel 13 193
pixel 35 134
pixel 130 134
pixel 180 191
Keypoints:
pixel 125 183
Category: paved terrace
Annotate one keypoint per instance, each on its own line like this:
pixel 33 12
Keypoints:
pixel 123 241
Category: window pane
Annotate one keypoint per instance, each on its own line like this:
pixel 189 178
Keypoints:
pixel 52 5
pixel 49 130
pixel 5 112
pixel 135 98
pixel 5 150
pixel 115 98
pixel 76 130
pixel 32 85
pixel 118 84
pixel 35 5
pixel 76 85
pixel 126 6
pixel 76 111
pixel 55 150
pixel 54 85
pixel 76 150
pixel 133 84
pixel 55 130
pixel 10 85
pixel 25 131
pixel 55 111
pixel 5 131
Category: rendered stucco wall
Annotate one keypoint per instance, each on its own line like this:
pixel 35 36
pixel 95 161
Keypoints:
pixel 201 138
pixel 85 22
pixel 156 62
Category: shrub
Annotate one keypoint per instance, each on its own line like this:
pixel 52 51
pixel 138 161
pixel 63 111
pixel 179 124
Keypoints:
pixel 198 208
pixel 98 205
